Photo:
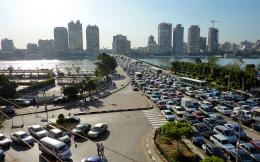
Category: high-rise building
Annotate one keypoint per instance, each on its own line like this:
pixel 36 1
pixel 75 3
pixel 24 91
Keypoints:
pixel 226 47
pixel 194 39
pixel 203 44
pixel 92 37
pixel 7 45
pixel 46 47
pixel 121 45
pixel 75 36
pixel 152 47
pixel 32 48
pixel 165 38
pixel 60 39
pixel 213 40
pixel 178 33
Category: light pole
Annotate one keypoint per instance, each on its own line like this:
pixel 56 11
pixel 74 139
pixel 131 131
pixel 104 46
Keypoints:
pixel 239 132
pixel 45 104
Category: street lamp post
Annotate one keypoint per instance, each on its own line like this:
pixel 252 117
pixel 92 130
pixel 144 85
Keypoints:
pixel 239 132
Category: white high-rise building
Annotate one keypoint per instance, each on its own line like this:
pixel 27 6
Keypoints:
pixel 213 40
pixel 92 39
pixel 7 45
pixel 60 39
pixel 165 38
pixel 194 39
pixel 121 45
pixel 75 36
pixel 152 47
pixel 178 33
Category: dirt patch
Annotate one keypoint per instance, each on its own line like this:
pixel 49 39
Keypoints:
pixel 168 148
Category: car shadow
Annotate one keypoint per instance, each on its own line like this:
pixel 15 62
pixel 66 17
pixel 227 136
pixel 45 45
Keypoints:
pixel 80 139
pixel 47 158
pixel 19 147
pixel 103 137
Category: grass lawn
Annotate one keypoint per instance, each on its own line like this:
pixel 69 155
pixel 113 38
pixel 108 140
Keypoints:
pixel 167 148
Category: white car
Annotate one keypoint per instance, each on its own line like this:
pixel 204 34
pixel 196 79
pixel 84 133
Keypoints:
pixel 97 130
pixel 22 137
pixel 154 98
pixel 169 105
pixel 223 109
pixel 165 98
pixel 168 115
pixel 179 110
pixel 222 142
pixel 4 141
pixel 148 94
pixel 37 131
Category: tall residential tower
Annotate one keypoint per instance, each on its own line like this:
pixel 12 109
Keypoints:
pixel 60 39
pixel 213 40
pixel 121 45
pixel 165 38
pixel 194 39
pixel 178 33
pixel 75 36
pixel 92 39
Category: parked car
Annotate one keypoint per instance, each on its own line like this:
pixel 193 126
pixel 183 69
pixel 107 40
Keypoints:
pixel 206 111
pixel 235 128
pixel 222 142
pixel 73 119
pixel 2 154
pixel 240 154
pixel 223 110
pixel 214 150
pixel 198 114
pixel 61 99
pixel 59 135
pixel 37 131
pixel 81 129
pixel 230 135
pixel 161 105
pixel 8 110
pixel 4 141
pixel 191 119
pixel 22 102
pixel 210 122
pixel 22 137
pixel 197 138
pixel 168 115
pixel 154 98
pixel 256 126
pixel 169 105
pixel 203 129
pixel 219 119
pixel 97 130
pixel 251 150
pixel 246 120
pixel 256 143
pixel 92 159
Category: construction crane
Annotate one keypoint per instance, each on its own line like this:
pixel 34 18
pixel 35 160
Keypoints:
pixel 213 22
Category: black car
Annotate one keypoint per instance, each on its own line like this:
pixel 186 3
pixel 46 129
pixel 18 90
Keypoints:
pixel 210 122
pixel 203 129
pixel 8 110
pixel 246 120
pixel 81 129
pixel 213 150
pixel 191 119
pixel 241 155
pixel 256 126
pixel 61 99
pixel 73 119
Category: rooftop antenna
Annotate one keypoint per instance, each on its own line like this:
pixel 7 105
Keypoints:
pixel 213 22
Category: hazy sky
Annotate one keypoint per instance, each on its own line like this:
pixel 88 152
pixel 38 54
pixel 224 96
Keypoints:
pixel 29 20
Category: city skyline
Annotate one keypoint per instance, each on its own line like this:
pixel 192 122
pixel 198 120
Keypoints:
pixel 234 27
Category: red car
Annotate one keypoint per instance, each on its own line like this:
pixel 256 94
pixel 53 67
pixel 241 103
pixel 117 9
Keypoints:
pixel 179 94
pixel 256 143
pixel 172 95
pixel 198 115
pixel 161 105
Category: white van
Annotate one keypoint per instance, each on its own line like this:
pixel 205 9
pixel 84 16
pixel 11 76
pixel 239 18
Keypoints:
pixel 54 147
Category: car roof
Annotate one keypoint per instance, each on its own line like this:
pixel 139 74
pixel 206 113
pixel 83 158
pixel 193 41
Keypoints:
pixel 99 124
pixel 221 137
pixel 56 130
pixel 166 110
pixel 222 127
pixel 248 145
pixel 20 132
pixel 36 126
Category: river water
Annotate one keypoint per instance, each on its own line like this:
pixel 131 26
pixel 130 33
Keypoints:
pixel 88 64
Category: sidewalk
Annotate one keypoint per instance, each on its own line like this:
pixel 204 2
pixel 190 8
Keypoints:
pixel 121 81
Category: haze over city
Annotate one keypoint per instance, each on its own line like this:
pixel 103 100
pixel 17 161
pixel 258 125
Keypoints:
pixel 29 20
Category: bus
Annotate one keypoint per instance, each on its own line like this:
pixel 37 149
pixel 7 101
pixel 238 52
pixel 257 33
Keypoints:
pixel 193 82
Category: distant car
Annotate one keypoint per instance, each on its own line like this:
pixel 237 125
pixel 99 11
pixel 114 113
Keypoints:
pixel 230 135
pixel 2 154
pixel 148 94
pixel 59 135
pixel 198 115
pixel 61 99
pixel 165 98
pixel 97 130
pixel 223 110
pixel 219 119
pixel 240 154
pixel 256 126
pixel 222 142
pixel 22 102
pixel 92 159
pixel 22 137
pixel 179 110
pixel 81 129
pixel 213 150
pixel 161 105
pixel 256 143
pixel 135 88
pixel 168 115
pixel 203 129
pixel 169 105
pixel 205 110
pixel 73 119
pixel 4 141
pixel 154 98
pixel 251 150
pixel 246 120
pixel 235 128
pixel 37 131
pixel 210 122
pixel 197 138
pixel 191 119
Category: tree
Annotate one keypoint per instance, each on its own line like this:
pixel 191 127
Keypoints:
pixel 177 131
pixel 7 88
pixel 213 60
pixel 106 65
pixel 212 159
pixel 71 91
pixel 198 61
pixel 60 119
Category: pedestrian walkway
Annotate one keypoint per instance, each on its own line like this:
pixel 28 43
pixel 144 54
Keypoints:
pixel 155 118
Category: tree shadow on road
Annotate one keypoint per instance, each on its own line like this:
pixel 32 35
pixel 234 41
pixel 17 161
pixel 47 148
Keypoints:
pixel 116 77
pixel 47 158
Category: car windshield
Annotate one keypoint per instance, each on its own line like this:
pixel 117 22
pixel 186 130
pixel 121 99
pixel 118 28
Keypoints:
pixel 217 151
pixel 212 121
pixel 180 109
pixel 207 110
pixel 254 150
pixel 168 113
pixel 236 128
pixel 58 135
pixel 63 148
pixel 170 103
pixel 24 135
pixel 219 117
pixel 95 129
pixel 228 133
pixel 225 142
pixel 38 129
pixel 191 117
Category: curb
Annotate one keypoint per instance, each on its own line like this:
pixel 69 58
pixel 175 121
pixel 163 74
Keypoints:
pixel 116 90
pixel 111 111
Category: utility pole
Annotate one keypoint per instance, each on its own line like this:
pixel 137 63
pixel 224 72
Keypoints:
pixel 238 141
